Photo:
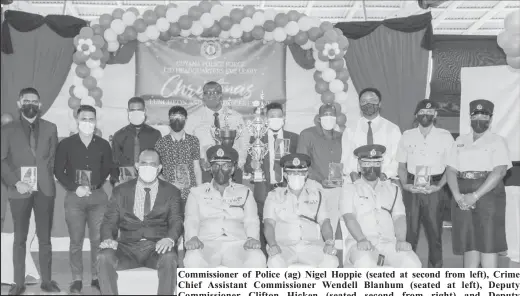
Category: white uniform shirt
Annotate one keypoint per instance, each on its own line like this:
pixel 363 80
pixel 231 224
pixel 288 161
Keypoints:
pixel 271 142
pixel 385 133
pixel 432 151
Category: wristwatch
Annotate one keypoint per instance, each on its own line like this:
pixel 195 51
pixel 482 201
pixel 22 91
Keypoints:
pixel 330 242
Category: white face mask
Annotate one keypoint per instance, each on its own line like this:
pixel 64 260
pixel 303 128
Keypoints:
pixel 148 173
pixel 275 124
pixel 136 117
pixel 328 122
pixel 296 182
pixel 86 127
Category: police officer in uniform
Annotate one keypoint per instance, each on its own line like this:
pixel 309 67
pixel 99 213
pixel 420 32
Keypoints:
pixel 477 163
pixel 374 213
pixel 296 222
pixel 221 219
pixel 423 152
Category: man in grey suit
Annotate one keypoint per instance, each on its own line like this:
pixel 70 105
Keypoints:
pixel 27 158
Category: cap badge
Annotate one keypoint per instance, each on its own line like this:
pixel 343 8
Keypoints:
pixel 429 105
pixel 220 152
pixel 296 161
pixel 479 107
pixel 373 152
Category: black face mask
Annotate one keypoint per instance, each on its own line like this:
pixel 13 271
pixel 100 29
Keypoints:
pixel 479 126
pixel 177 125
pixel 371 173
pixel 425 120
pixel 369 109
pixel 221 176
pixel 30 110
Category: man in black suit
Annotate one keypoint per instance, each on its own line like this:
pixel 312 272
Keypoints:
pixel 148 215
pixel 29 149
pixel 271 163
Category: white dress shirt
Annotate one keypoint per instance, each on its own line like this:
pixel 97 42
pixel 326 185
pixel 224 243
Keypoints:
pixel 271 142
pixel 385 133
pixel 140 195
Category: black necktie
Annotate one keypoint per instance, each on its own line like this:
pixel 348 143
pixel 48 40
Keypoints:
pixel 32 137
pixel 137 146
pixel 147 202
pixel 216 121
pixel 370 135
pixel 276 167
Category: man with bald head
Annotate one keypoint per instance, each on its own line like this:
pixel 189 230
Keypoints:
pixel 147 214
pixel 323 144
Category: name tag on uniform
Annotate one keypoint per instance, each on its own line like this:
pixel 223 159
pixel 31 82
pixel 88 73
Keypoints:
pixel 29 175
pixel 311 202
pixel 363 197
pixel 460 145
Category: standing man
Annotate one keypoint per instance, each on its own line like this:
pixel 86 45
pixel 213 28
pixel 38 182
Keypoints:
pixel 147 214
pixel 370 129
pixel 221 220
pixel 323 144
pixel 129 141
pixel 271 166
pixel 28 151
pixel 180 154
pixel 215 114
pixel 83 163
pixel 422 153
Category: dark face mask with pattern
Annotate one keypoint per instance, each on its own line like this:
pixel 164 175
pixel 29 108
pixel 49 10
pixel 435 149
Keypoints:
pixel 30 110
pixel 177 125
pixel 369 109
pixel 479 126
pixel 425 120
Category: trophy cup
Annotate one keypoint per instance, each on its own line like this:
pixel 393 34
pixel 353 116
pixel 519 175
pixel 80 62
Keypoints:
pixel 422 177
pixel 335 178
pixel 226 136
pixel 258 150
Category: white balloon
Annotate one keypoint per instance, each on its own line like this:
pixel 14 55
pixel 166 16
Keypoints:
pixel 328 74
pixel 321 65
pixel 336 85
pixel 185 33
pixel 268 36
pixel 97 73
pixel 118 26
pixel 236 31
pixel 110 35
pixel 173 14
pixel 259 18
pixel 305 23
pixel 247 24
pixel 279 34
pixel 142 37
pixel 112 46
pixel 129 18
pixel 226 11
pixel 152 32
pixel 92 64
pixel 340 97
pixel 270 14
pixel 224 35
pixel 88 100
pixel 512 22
pixel 80 91
pixel 217 12
pixel 206 20
pixel 163 24
pixel 307 45
pixel 292 28
pixel 183 8
pixel 78 80
pixel 197 28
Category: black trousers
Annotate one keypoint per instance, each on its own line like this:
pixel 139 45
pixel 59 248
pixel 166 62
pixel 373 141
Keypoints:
pixel 21 209
pixel 428 210
pixel 134 255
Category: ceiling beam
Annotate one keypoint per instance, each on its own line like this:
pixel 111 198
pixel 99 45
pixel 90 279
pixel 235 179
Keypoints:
pixel 309 7
pixel 352 11
pixel 451 7
pixel 486 17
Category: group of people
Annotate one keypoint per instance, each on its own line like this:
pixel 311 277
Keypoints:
pixel 186 189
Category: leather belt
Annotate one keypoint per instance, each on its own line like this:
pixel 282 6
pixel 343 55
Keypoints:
pixel 434 178
pixel 472 175
pixel 276 185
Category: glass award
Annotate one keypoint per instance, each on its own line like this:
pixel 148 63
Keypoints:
pixel 335 178
pixel 29 176
pixel 127 173
pixel 83 177
pixel 281 148
pixel 422 177
pixel 182 176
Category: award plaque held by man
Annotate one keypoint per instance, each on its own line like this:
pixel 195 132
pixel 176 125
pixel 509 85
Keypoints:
pixel 335 177
pixel 422 178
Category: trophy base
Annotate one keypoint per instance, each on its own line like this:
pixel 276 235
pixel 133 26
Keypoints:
pixel 333 183
pixel 258 177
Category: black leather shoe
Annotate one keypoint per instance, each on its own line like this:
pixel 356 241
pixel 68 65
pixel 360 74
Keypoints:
pixel 51 286
pixel 95 284
pixel 17 290
pixel 76 287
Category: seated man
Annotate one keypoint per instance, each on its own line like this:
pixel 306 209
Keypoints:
pixel 375 216
pixel 221 219
pixel 148 215
pixel 296 221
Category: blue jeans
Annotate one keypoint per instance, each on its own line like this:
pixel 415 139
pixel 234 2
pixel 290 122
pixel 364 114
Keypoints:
pixel 79 212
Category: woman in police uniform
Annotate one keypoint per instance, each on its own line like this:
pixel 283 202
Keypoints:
pixel 477 163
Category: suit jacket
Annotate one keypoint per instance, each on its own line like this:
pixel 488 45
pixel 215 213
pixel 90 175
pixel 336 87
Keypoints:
pixel 266 166
pixel 16 153
pixel 165 220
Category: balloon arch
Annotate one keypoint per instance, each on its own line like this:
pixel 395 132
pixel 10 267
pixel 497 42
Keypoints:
pixel 209 19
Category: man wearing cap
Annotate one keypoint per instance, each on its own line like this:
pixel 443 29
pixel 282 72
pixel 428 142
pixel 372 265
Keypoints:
pixel 221 220
pixel 296 223
pixel 374 213
pixel 422 156
pixel 477 163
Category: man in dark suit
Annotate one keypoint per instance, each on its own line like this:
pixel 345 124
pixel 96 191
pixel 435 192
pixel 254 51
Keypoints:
pixel 271 162
pixel 28 152
pixel 147 213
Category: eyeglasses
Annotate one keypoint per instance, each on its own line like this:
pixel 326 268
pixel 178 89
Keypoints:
pixel 224 166
pixel 369 164
pixel 426 112
pixel 296 173
pixel 480 116
pixel 27 102
pixel 178 116
pixel 212 93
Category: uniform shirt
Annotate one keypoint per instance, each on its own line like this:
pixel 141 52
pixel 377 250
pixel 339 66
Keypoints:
pixel 200 122
pixel 270 144
pixel 371 208
pixel 72 155
pixel 297 218
pixel 322 151
pixel 385 133
pixel 140 196
pixel 482 155
pixel 210 216
pixel 415 149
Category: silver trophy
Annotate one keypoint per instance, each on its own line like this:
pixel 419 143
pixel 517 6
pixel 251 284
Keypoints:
pixel 225 135
pixel 258 127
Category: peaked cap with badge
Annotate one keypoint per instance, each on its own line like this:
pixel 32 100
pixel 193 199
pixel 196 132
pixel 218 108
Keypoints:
pixel 426 104
pixel 370 152
pixel 295 162
pixel 481 107
pixel 221 153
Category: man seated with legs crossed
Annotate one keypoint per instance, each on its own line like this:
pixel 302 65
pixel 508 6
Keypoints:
pixel 375 216
pixel 147 214
pixel 296 222
pixel 221 219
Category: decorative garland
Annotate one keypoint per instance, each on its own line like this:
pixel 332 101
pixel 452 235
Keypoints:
pixel 209 19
